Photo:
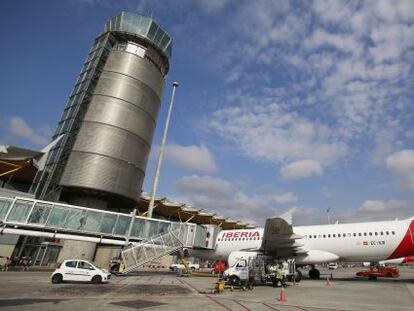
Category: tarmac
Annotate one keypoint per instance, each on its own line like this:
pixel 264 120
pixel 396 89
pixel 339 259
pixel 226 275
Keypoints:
pixel 164 290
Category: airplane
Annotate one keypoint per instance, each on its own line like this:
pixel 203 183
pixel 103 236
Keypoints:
pixel 316 244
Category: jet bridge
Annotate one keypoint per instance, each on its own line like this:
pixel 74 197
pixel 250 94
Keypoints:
pixel 27 216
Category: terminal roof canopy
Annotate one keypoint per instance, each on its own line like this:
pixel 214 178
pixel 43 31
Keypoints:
pixel 142 26
pixel 186 213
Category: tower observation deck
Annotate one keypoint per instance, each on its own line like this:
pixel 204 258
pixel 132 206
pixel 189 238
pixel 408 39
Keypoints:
pixel 107 125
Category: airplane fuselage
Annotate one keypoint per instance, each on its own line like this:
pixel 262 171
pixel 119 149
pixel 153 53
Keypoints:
pixel 370 241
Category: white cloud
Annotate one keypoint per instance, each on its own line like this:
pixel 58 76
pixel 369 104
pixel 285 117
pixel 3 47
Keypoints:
pixel 192 158
pixel 222 197
pixel 402 163
pixel 376 206
pixel 359 55
pixel 18 128
pixel 213 6
pixel 263 130
pixel 301 169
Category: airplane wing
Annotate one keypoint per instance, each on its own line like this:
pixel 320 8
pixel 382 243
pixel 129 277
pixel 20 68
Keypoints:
pixel 279 240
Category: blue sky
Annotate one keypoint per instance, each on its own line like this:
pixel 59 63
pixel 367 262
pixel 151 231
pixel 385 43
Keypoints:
pixel 305 104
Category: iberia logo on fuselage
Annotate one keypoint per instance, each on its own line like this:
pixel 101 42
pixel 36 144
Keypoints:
pixel 241 234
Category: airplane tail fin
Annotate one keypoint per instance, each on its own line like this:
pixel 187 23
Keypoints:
pixel 288 216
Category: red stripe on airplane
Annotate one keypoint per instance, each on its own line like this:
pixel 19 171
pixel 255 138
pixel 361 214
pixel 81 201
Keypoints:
pixel 406 246
pixel 408 259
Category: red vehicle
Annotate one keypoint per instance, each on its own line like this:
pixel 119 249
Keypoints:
pixel 380 272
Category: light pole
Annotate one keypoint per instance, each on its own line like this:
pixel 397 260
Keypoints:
pixel 161 153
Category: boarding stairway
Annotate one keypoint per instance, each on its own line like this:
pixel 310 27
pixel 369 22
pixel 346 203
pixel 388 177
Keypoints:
pixel 137 255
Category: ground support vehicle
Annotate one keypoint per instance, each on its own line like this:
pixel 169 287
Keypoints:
pixel 261 269
pixel 383 272
pixel 78 270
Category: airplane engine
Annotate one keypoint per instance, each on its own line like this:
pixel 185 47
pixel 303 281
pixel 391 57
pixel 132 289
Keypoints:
pixel 237 255
pixel 315 257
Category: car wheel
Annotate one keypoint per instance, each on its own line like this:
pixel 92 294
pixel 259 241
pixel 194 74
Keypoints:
pixel 97 279
pixel 57 278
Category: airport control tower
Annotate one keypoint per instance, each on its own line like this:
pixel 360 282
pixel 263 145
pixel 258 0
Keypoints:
pixel 108 122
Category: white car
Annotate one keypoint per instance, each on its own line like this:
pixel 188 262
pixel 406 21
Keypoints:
pixel 177 266
pixel 79 270
pixel 333 266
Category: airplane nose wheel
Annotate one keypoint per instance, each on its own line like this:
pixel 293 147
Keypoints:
pixel 314 274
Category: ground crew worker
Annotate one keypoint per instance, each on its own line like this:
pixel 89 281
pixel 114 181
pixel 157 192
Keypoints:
pixel 279 277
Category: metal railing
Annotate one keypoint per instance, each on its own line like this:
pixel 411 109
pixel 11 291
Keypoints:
pixel 159 246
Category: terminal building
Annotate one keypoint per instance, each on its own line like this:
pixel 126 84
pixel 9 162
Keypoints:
pixel 99 152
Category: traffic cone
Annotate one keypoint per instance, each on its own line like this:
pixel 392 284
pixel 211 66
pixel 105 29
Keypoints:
pixel 282 295
pixel 328 283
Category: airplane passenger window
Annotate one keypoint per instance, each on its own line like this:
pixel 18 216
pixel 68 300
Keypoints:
pixel 393 232
pixel 376 233
pixel 310 237
pixel 370 233
pixel 387 233
pixel 329 235
pixel 324 235
pixel 359 234
pixel 382 233
pixel 344 235
pixel 314 236
pixel 219 239
pixel 365 234
pixel 354 234
pixel 333 235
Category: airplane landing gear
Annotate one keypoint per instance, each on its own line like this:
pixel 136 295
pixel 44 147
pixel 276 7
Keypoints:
pixel 314 273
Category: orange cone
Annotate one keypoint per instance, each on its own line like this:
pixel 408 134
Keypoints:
pixel 328 283
pixel 282 295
